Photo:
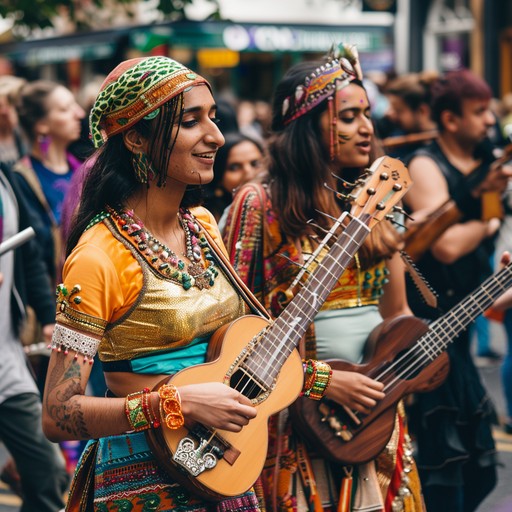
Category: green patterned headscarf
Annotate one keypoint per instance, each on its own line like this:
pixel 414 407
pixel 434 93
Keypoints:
pixel 135 90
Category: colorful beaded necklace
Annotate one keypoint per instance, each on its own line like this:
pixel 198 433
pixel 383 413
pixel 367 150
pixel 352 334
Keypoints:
pixel 160 257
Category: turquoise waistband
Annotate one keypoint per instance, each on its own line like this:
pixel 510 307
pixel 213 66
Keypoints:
pixel 163 362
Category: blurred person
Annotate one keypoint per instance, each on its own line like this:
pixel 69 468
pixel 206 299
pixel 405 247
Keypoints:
pixel 83 147
pixel 501 310
pixel 322 128
pixel 239 160
pixel 142 288
pixel 409 109
pixel 226 113
pixel 50 118
pixel 38 473
pixel 12 147
pixel 506 118
pixel 453 424
pixel 263 117
pixel 247 122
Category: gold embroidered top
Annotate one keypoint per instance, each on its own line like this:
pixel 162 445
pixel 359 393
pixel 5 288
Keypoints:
pixel 134 309
pixel 356 287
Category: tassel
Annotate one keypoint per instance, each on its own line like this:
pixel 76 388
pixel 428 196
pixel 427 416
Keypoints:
pixel 345 499
pixel 308 479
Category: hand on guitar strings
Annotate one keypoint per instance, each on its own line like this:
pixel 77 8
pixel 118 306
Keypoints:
pixel 354 390
pixel 216 405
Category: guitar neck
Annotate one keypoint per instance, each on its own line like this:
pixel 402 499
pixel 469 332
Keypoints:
pixel 287 330
pixel 445 329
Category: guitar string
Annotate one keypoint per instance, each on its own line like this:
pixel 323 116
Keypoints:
pixel 280 327
pixel 313 282
pixel 461 310
pixel 493 284
pixel 438 345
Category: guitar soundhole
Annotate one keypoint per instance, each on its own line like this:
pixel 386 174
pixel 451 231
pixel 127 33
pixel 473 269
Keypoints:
pixel 246 384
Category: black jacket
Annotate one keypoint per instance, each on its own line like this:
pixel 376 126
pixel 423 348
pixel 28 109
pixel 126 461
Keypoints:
pixel 31 282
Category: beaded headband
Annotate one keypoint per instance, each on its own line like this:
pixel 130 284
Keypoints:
pixel 341 68
pixel 135 90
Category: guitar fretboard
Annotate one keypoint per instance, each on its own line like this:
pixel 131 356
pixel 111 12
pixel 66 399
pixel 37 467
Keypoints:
pixel 285 333
pixel 444 330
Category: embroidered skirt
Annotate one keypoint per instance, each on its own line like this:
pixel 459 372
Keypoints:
pixel 127 477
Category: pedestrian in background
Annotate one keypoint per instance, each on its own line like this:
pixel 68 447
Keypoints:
pixel 39 464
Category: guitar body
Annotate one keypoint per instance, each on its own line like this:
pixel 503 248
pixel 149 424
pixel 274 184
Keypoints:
pixel 246 450
pixel 339 435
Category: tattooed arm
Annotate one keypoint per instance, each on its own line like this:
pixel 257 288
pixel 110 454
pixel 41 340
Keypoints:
pixel 67 412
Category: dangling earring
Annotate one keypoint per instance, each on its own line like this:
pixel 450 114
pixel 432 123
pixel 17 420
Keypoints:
pixel 142 167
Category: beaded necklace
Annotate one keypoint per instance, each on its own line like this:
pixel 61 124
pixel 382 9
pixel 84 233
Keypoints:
pixel 165 261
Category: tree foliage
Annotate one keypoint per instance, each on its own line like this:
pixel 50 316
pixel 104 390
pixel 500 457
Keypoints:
pixel 33 14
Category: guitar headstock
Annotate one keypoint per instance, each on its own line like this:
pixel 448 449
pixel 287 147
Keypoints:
pixel 378 192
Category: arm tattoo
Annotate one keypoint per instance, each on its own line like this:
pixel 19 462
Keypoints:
pixel 66 383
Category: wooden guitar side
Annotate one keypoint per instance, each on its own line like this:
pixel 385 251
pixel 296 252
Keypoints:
pixel 371 436
pixel 235 477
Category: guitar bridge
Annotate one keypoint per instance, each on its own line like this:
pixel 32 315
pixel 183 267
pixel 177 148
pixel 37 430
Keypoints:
pixel 201 450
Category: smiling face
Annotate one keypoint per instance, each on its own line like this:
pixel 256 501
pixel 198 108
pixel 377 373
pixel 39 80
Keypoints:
pixel 193 154
pixel 63 115
pixel 354 128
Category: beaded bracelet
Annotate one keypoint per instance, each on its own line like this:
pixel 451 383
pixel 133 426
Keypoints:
pixel 317 378
pixel 170 406
pixel 138 411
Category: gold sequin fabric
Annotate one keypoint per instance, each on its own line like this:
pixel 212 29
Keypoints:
pixel 167 316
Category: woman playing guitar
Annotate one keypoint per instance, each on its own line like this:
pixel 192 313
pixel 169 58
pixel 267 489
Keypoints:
pixel 322 127
pixel 142 289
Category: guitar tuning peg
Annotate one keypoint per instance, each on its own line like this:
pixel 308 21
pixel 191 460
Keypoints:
pixel 296 263
pixel 346 184
pixel 393 221
pixel 327 215
pixel 303 270
pixel 339 195
pixel 399 209
pixel 311 222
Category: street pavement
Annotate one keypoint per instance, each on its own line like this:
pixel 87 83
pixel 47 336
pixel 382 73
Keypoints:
pixel 500 500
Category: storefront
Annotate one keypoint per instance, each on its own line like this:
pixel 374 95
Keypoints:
pixel 246 58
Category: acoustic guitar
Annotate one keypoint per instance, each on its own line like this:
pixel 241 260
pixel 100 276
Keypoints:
pixel 259 357
pixel 408 356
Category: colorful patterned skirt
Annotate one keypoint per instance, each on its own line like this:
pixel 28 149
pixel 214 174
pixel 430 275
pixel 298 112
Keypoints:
pixel 127 478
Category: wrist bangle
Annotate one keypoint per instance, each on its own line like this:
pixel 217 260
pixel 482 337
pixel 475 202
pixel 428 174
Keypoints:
pixel 318 377
pixel 170 406
pixel 139 412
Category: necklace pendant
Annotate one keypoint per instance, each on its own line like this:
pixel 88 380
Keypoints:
pixel 202 281
pixel 195 269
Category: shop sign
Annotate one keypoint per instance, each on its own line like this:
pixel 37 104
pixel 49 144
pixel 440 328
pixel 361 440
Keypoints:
pixel 279 38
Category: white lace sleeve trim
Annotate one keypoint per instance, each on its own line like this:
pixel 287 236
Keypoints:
pixel 65 339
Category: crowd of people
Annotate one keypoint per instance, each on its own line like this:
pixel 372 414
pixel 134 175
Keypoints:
pixel 166 215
